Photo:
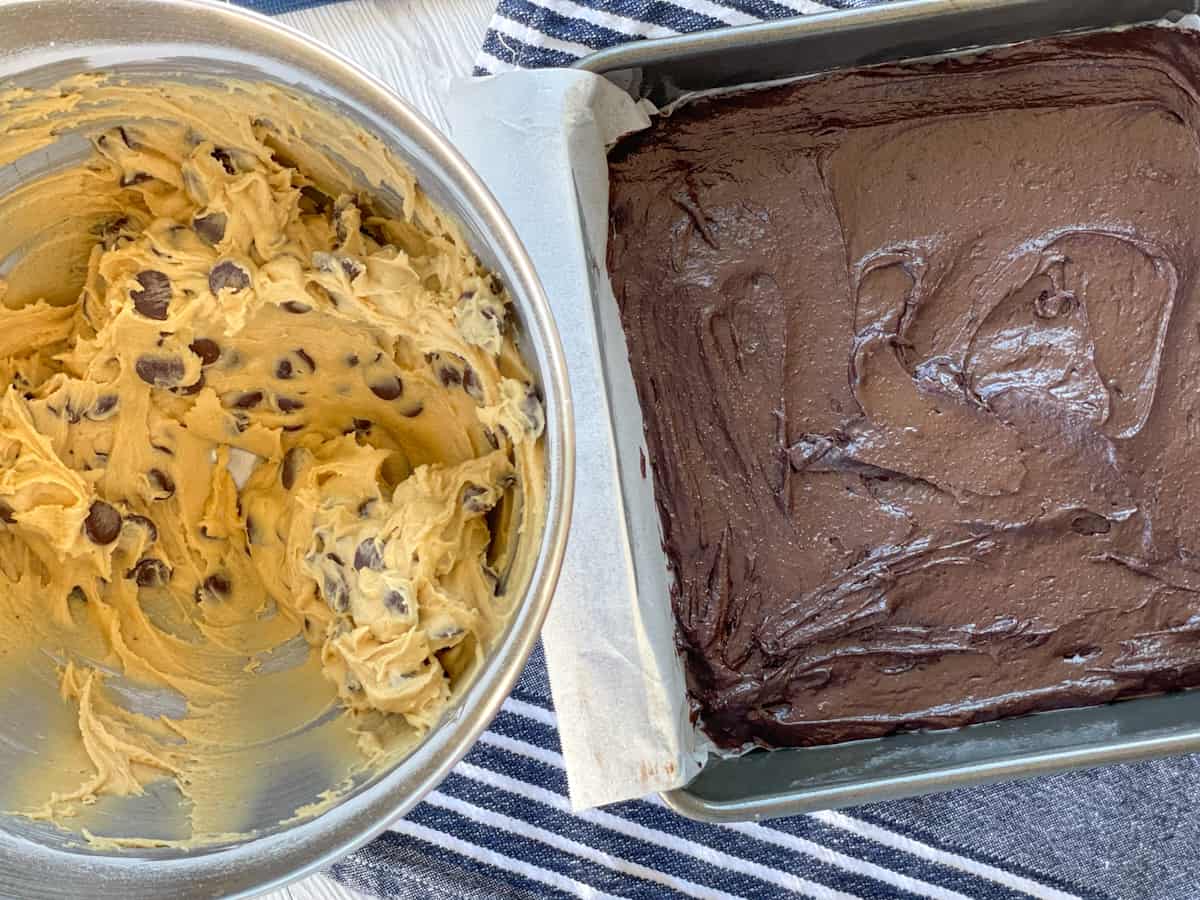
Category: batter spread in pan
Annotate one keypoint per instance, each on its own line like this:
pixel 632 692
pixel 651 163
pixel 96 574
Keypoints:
pixel 918 351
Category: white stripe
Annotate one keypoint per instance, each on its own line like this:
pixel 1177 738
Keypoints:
pixel 805 7
pixel 710 855
pixel 942 857
pixel 493 64
pixel 500 860
pixel 631 27
pixel 495 820
pixel 529 711
pixel 834 858
pixel 504 26
pixel 522 748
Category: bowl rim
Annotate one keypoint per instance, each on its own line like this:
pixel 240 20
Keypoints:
pixel 367 812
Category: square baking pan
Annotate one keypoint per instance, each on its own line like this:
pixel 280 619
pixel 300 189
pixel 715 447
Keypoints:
pixel 762 784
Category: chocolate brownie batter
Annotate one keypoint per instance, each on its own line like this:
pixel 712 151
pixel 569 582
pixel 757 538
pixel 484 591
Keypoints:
pixel 918 351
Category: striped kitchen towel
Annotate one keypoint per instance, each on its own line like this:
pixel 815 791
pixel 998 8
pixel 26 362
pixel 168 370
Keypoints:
pixel 500 826
pixel 526 34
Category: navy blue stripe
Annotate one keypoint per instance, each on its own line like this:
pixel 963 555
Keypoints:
pixel 532 698
pixel 522 768
pixel 760 9
pixel 275 7
pixel 536 853
pixel 390 846
pixel 559 26
pixel 658 12
pixel 529 730
pixel 511 50
pixel 602 839
pixel 535 680
pixel 1006 865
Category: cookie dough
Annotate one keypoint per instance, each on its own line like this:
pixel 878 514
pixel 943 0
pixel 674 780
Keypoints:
pixel 248 406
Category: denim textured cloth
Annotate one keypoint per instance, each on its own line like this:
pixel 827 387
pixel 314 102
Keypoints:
pixel 500 826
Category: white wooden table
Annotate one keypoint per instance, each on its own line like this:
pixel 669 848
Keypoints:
pixel 415 47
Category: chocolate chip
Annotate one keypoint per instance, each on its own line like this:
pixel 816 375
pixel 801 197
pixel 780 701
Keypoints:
pixel 208 350
pixel 352 268
pixel 367 556
pixel 103 523
pixel 216 587
pixel 308 360
pixel 225 159
pixel 389 387
pixel 150 572
pixel 314 200
pixel 103 408
pixel 154 297
pixel 283 370
pixel 531 406
pixel 210 228
pixel 295 307
pixel 189 390
pixel 142 522
pixel 6 514
pixel 474 499
pixel 395 603
pixel 1090 523
pixel 361 426
pixel 336 591
pixel 413 411
pixel 292 428
pixel 162 483
pixel 352 360
pixel 160 371
pixel 471 385
pixel 228 275
pixel 449 375
pixel 248 400
pixel 290 468
pixel 289 404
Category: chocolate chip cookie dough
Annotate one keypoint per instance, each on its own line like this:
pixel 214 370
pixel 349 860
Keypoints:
pixel 917 351
pixel 266 443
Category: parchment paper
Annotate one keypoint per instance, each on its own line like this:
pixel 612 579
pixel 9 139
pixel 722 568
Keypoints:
pixel 539 141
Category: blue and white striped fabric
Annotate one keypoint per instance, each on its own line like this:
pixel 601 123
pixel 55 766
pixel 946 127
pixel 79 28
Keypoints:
pixel 526 34
pixel 500 826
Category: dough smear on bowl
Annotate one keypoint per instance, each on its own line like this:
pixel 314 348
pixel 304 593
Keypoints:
pixel 266 448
